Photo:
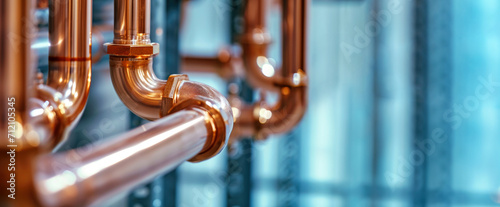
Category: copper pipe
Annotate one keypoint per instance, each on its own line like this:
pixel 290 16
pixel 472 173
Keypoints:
pixel 65 95
pixel 132 21
pixel 255 42
pixel 16 66
pixel 16 74
pixel 226 64
pixel 119 164
pixel 100 35
pixel 131 56
pixel 262 120
pixel 137 85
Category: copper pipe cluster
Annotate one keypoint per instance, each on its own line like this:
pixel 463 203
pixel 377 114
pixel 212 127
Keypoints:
pixel 131 66
pixel 197 127
pixel 290 81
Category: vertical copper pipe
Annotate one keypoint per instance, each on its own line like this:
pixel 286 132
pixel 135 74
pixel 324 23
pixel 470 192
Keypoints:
pixel 16 74
pixel 70 23
pixel 117 165
pixel 16 68
pixel 132 21
pixel 263 120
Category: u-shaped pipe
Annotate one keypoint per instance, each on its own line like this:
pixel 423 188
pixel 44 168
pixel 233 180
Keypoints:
pixel 290 82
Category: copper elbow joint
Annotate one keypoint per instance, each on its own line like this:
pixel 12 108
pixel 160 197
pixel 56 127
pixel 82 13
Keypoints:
pixel 152 98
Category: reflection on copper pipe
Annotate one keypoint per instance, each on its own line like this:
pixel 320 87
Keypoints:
pixel 137 85
pixel 100 35
pixel 117 165
pixel 132 21
pixel 260 119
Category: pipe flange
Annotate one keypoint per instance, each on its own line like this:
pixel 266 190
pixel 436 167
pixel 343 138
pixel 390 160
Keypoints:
pixel 170 92
pixel 150 49
pixel 217 138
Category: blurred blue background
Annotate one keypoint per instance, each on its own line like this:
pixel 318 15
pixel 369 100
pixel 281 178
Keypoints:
pixel 404 109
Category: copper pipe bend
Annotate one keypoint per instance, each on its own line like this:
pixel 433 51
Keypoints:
pixel 290 82
pixel 131 57
pixel 57 106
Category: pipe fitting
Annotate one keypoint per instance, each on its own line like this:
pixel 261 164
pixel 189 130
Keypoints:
pixel 180 93
pixel 150 49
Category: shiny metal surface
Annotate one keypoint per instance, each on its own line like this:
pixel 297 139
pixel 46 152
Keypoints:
pixel 117 165
pixel 132 21
pixel 16 68
pixel 70 23
pixel 263 120
pixel 137 85
pixel 100 35
pixel 16 74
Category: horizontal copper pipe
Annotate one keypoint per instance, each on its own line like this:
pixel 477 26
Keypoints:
pixel 226 64
pixel 260 119
pixel 117 165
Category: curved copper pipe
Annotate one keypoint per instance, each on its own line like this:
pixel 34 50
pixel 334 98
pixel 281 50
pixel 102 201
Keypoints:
pixel 131 56
pixel 137 85
pixel 68 83
pixel 49 113
pixel 255 41
pixel 260 119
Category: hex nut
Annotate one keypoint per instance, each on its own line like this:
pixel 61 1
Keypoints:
pixel 132 50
